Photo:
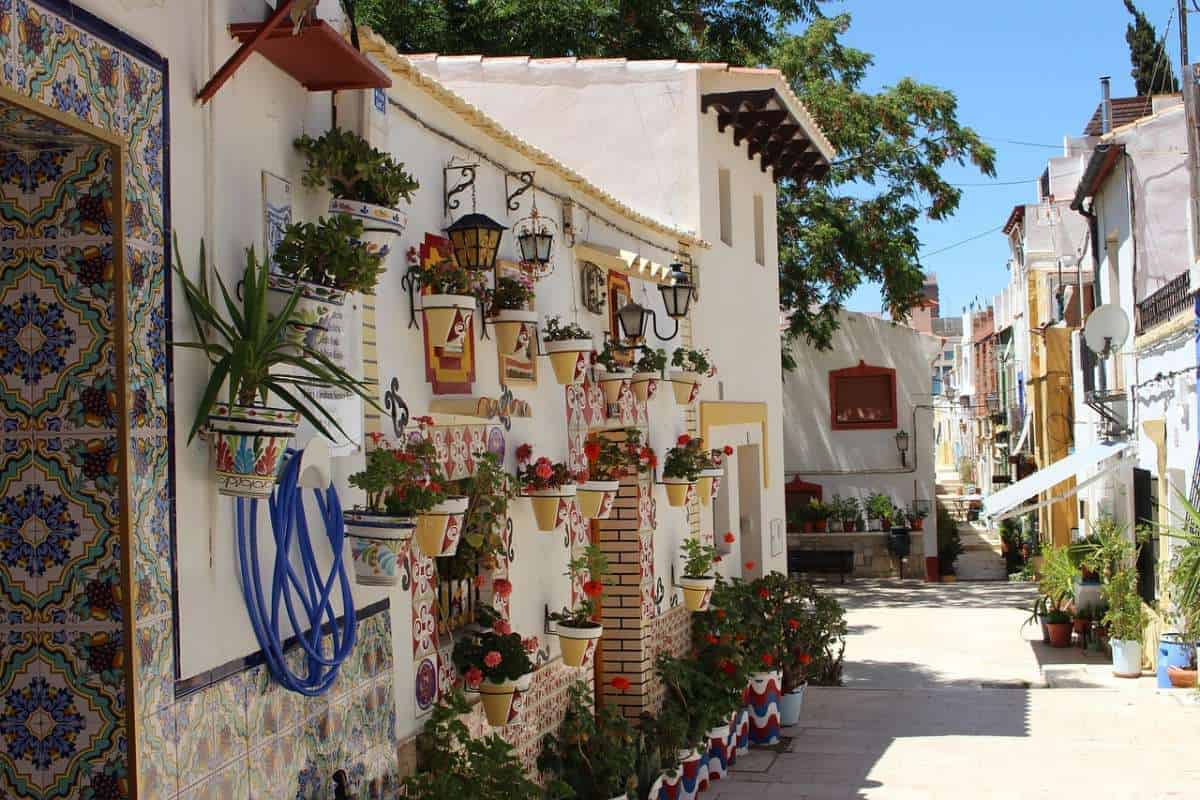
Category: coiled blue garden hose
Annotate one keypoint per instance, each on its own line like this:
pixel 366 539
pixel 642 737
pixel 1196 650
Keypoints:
pixel 290 525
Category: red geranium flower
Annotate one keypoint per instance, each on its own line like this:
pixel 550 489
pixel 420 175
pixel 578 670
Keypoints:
pixel 750 565
pixel 530 644
pixel 794 624
pixel 720 613
pixel 592 450
pixel 768 659
pixel 764 594
pixel 524 452
pixel 479 581
pixel 474 676
pixel 593 588
pixel 729 537
pixel 708 637
pixel 805 659
pixel 544 470
pixel 728 450
pixel 728 667
pixel 502 627
pixel 493 658
pixel 683 440
pixel 502 587
pixel 620 684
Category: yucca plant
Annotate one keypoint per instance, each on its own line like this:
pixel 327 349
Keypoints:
pixel 1183 570
pixel 246 344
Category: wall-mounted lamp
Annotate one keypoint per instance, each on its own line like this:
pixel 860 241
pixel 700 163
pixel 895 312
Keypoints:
pixel 902 446
pixel 677 295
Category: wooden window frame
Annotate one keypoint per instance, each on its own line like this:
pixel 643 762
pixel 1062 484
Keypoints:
pixel 862 371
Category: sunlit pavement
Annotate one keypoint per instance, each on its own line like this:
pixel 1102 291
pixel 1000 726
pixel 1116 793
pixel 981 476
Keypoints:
pixel 945 698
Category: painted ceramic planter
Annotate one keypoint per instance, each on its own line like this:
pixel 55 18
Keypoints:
pixel 439 529
pixel 742 730
pixel 522 685
pixel 763 704
pixel 669 785
pixel 376 543
pixel 707 484
pixel 577 643
pixel 613 383
pixel 596 498
pixel 790 705
pixel 645 385
pixel 690 777
pixel 547 504
pixel 381 224
pixel 717 758
pixel 447 316
pixel 1126 657
pixel 497 701
pixel 248 443
pixel 697 592
pixel 677 491
pixel 315 308
pixel 570 359
pixel 514 330
pixel 685 385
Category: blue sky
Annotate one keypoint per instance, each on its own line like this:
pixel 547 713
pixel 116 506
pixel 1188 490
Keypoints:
pixel 1026 70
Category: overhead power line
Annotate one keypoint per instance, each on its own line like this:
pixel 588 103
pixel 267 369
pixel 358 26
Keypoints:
pixel 964 241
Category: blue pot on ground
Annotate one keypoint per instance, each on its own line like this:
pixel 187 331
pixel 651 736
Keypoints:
pixel 1172 652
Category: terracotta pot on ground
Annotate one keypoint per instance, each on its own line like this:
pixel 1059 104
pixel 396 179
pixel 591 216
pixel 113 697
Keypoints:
pixel 918 524
pixel 1080 626
pixel 820 525
pixel 1182 678
pixel 1060 634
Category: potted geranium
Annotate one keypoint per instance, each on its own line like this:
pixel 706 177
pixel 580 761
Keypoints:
pixel 879 508
pixel 367 184
pixel 376 534
pixel 681 469
pixel 327 262
pixel 510 314
pixel 611 456
pixel 712 470
pixel 491 663
pixel 698 577
pixel 247 351
pixel 449 304
pixel 614 376
pixel 691 368
pixel 489 491
pixel 568 346
pixel 918 510
pixel 546 483
pixel 647 372
pixel 577 627
pixel 606 772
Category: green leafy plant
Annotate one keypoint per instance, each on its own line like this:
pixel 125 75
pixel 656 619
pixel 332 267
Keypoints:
pixel 510 294
pixel 1114 557
pixel 611 460
pixel 543 474
pixel 845 509
pixel 555 330
pixel 328 253
pixel 698 558
pixel 691 698
pixel 818 510
pixel 950 547
pixel 1058 575
pixel 593 752
pixel 245 346
pixel 651 360
pixel 453 764
pixel 591 571
pixel 878 506
pixel 489 492
pixel 354 170
pixel 689 360
pixel 491 656
pixel 1183 571
pixel 686 460
pixel 610 357
pixel 404 480
pixel 447 277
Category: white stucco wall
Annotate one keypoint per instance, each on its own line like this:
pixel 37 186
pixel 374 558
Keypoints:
pixel 859 462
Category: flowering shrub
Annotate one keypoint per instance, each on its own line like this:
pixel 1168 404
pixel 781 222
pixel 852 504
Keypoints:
pixel 491 655
pixel 715 458
pixel 404 480
pixel 686 459
pixel 610 460
pixel 594 565
pixel 447 277
pixel 543 474
pixel 593 752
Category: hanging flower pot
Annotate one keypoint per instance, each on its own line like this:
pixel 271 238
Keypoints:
pixel 577 643
pixel 707 484
pixel 315 308
pixel 685 385
pixel 447 316
pixel 376 542
pixel 546 505
pixel 596 498
pixel 677 491
pixel 697 592
pixel 645 385
pixel 439 528
pixel 381 224
pixel 569 358
pixel 514 330
pixel 497 701
pixel 248 443
pixel 613 382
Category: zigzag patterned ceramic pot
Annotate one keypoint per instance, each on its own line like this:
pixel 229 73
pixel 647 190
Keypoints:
pixel 763 705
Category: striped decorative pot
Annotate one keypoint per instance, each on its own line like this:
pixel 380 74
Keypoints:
pixel 763 705
pixel 690 762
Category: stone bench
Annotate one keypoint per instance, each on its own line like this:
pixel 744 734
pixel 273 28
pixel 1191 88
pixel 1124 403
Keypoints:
pixel 828 562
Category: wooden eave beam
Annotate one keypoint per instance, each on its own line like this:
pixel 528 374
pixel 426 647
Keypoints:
pixel 242 53
pixel 754 100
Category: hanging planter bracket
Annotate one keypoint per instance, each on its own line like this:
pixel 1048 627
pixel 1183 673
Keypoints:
pixel 523 181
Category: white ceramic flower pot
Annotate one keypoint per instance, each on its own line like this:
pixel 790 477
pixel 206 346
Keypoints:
pixel 596 498
pixel 315 308
pixel 790 705
pixel 381 224
pixel 1126 658
pixel 514 330
pixel 447 316
pixel 248 443
pixel 570 359
pixel 376 544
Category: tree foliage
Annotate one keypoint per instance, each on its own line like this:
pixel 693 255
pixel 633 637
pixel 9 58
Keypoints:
pixel 858 223
pixel 1152 70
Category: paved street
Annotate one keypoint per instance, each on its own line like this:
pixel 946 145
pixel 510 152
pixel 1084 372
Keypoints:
pixel 936 706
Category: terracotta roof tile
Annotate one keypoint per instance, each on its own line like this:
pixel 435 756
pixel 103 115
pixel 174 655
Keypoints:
pixel 1124 111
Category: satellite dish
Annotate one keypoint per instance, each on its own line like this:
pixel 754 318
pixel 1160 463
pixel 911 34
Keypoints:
pixel 1106 330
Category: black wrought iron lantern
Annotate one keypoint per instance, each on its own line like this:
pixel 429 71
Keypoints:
pixel 633 319
pixel 902 446
pixel 535 243
pixel 677 293
pixel 476 240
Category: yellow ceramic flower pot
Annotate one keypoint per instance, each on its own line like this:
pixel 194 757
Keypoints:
pixel 595 498
pixel 575 643
pixel 645 385
pixel 497 701
pixel 677 491
pixel 569 358
pixel 612 384
pixel 683 385
pixel 514 329
pixel 447 316
pixel 706 483
pixel 439 529
pixel 545 506
pixel 697 592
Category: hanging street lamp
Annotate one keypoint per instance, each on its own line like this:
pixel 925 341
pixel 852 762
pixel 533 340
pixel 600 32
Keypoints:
pixel 476 240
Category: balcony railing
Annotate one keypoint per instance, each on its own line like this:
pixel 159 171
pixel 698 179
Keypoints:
pixel 1173 299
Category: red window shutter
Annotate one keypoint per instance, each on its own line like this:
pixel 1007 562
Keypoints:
pixel 862 398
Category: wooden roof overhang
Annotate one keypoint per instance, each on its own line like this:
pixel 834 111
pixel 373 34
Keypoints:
pixel 762 119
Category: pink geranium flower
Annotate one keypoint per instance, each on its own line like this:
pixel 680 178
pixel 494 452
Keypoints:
pixel 492 659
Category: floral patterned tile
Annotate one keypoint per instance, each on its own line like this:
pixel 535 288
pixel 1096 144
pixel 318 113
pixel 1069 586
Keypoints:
pixel 270 709
pixel 231 782
pixel 194 739
pixel 275 766
pixel 24 690
pixel 158 769
pixel 154 660
pixel 53 65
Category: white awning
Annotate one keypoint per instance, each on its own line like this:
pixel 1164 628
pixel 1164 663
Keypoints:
pixel 1004 503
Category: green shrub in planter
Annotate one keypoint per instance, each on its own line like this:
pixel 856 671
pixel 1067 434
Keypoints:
pixel 593 753
pixel 354 170
pixel 327 253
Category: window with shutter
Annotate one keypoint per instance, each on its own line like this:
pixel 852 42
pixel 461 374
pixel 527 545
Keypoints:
pixel 862 398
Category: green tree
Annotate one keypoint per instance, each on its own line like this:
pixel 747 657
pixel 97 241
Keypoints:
pixel 856 224
pixel 1152 70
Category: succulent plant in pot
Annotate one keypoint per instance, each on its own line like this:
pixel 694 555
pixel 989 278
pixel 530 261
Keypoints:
pixel 568 346
pixel 682 467
pixel 367 184
pixel 611 456
pixel 248 353
pixel 449 296
pixel 691 368
pixel 647 372
pixel 510 313
pixel 491 663
pixel 548 484
pixel 698 576
pixel 578 627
